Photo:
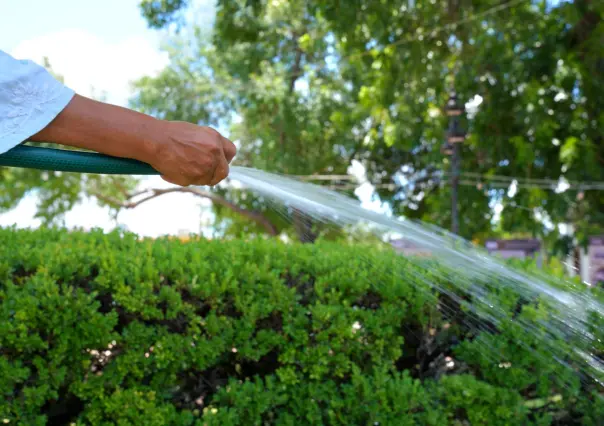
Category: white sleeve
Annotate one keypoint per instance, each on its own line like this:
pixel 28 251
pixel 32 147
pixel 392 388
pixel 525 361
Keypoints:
pixel 30 98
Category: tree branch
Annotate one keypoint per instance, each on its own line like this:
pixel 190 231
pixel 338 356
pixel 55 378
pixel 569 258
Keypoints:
pixel 295 74
pixel 256 217
pixel 296 69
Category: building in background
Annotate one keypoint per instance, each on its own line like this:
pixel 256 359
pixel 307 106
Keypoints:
pixel 506 249
pixel 516 249
pixel 591 261
pixel 409 248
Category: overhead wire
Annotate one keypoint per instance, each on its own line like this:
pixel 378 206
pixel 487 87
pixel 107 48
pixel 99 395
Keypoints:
pixel 472 179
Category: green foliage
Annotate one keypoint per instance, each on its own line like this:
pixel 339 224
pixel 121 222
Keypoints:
pixel 160 13
pixel 537 120
pixel 109 329
pixel 377 75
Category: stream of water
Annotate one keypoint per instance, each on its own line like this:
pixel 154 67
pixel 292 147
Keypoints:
pixel 465 265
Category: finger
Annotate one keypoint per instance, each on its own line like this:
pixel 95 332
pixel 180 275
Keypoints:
pixel 221 172
pixel 180 181
pixel 210 171
pixel 230 150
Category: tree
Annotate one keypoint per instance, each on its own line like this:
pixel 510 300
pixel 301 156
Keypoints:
pixel 375 102
pixel 265 75
pixel 539 73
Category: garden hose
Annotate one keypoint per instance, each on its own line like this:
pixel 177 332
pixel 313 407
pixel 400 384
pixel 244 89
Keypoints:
pixel 60 160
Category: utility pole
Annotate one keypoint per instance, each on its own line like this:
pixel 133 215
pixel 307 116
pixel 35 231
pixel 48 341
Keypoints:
pixel 454 186
pixel 452 147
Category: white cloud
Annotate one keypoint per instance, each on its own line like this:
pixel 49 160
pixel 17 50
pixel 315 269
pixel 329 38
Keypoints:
pixel 22 216
pixel 89 63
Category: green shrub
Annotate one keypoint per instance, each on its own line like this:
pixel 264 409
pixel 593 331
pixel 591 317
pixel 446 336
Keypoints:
pixel 106 329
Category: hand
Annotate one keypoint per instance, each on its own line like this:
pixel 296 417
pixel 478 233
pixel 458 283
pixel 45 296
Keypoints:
pixel 186 154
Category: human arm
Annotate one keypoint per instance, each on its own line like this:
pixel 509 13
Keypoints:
pixel 185 154
pixel 35 106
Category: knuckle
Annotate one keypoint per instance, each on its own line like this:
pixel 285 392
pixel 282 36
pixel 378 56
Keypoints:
pixel 205 164
pixel 230 146
pixel 212 131
pixel 214 149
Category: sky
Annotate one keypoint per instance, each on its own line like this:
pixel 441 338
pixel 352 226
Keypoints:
pixel 99 47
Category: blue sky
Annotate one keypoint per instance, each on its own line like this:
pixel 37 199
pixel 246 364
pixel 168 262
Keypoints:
pixel 100 45
pixel 95 45
pixel 113 20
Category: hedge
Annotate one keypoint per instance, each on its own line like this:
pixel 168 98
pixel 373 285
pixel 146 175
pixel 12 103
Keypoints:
pixel 104 329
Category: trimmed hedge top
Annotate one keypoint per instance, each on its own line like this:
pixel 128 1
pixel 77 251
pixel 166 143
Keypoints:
pixel 106 329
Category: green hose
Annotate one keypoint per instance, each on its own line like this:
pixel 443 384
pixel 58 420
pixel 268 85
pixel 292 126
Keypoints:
pixel 61 160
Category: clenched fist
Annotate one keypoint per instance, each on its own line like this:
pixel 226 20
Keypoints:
pixel 186 154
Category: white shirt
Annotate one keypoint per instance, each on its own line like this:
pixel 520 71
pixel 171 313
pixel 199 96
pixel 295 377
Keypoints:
pixel 30 98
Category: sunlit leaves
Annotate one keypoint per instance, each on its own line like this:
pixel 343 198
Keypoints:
pixel 374 76
pixel 568 151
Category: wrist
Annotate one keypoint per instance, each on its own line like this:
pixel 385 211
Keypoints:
pixel 144 139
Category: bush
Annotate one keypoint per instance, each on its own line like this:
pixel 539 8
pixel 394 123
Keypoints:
pixel 106 329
